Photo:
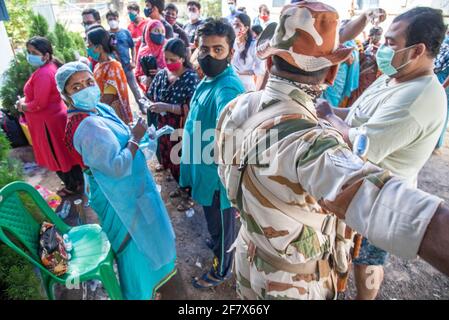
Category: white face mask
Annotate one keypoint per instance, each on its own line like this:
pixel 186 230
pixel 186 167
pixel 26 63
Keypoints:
pixel 193 15
pixel 113 24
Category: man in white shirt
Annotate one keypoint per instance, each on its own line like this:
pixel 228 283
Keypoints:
pixel 402 114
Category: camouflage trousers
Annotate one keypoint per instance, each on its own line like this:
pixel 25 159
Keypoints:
pixel 257 279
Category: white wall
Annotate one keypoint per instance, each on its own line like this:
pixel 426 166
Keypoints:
pixel 46 10
pixel 6 50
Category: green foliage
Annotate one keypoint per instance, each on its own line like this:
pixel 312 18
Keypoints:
pixel 39 26
pixel 14 80
pixel 4 147
pixel 18 281
pixel 18 26
pixel 65 44
pixel 211 8
pixel 10 170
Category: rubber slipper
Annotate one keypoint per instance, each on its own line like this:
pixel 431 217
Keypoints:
pixel 210 282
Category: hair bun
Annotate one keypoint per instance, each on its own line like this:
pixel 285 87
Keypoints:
pixel 113 40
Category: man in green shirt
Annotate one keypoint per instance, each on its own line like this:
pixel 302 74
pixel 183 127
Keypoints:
pixel 198 168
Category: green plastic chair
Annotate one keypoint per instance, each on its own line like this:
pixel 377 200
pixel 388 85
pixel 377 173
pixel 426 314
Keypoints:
pixel 92 256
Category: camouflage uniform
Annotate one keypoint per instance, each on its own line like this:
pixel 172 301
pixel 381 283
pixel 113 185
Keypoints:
pixel 272 242
pixel 288 173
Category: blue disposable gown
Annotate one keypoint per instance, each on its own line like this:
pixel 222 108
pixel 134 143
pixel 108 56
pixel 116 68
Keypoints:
pixel 124 195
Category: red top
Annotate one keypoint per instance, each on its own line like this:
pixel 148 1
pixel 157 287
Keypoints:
pixel 73 122
pixel 136 31
pixel 46 116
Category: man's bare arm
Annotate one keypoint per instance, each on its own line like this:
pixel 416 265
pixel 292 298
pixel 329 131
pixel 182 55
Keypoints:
pixel 335 116
pixel 435 244
pixel 354 27
pixel 342 113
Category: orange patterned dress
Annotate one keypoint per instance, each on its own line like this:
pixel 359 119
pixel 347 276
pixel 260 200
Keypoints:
pixel 111 79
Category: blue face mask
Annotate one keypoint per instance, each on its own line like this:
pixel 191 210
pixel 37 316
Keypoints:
pixel 384 58
pixel 232 8
pixel 35 60
pixel 157 38
pixel 147 12
pixel 94 55
pixel 86 99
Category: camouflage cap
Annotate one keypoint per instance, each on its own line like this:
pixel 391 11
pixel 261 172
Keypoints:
pixel 306 37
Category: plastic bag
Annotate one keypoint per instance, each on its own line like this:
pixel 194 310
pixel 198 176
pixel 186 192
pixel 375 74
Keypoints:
pixel 52 251
pixel 148 144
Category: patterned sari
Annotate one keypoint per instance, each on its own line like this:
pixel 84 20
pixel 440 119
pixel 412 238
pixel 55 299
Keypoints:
pixel 111 74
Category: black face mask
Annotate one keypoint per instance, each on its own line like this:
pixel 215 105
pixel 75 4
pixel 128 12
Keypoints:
pixel 212 67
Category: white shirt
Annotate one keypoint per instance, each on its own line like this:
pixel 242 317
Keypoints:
pixel 403 123
pixel 252 64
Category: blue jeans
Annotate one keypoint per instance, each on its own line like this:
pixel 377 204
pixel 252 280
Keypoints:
pixel 371 255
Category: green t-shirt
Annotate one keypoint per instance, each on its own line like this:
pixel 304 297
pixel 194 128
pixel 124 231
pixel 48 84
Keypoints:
pixel 198 168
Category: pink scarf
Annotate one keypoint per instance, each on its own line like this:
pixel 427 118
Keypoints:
pixel 150 48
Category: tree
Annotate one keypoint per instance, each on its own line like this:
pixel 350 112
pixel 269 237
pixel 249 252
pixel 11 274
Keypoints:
pixel 39 26
pixel 14 80
pixel 64 42
pixel 18 281
pixel 20 15
pixel 211 8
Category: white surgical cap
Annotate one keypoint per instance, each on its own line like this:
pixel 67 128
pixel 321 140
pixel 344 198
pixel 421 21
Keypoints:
pixel 66 71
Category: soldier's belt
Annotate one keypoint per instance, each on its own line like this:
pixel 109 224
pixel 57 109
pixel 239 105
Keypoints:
pixel 306 268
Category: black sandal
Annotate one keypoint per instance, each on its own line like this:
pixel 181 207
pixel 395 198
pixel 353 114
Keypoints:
pixel 64 192
pixel 210 278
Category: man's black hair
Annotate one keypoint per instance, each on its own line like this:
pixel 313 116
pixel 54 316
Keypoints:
pixel 159 4
pixel 172 6
pixel 376 31
pixel 194 3
pixel 93 12
pixel 218 27
pixel 112 13
pixel 426 25
pixel 133 6
pixel 283 65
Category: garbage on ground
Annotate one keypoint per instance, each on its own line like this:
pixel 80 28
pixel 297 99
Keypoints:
pixel 190 212
pixel 65 210
pixel 52 199
pixel 30 167
pixel 198 263
pixel 80 211
pixel 93 285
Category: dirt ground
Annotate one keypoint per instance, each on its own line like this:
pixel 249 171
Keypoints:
pixel 403 279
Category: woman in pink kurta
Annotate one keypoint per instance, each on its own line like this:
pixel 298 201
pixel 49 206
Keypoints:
pixel 46 115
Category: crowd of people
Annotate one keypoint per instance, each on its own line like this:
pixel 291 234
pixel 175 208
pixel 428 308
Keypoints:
pixel 304 196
